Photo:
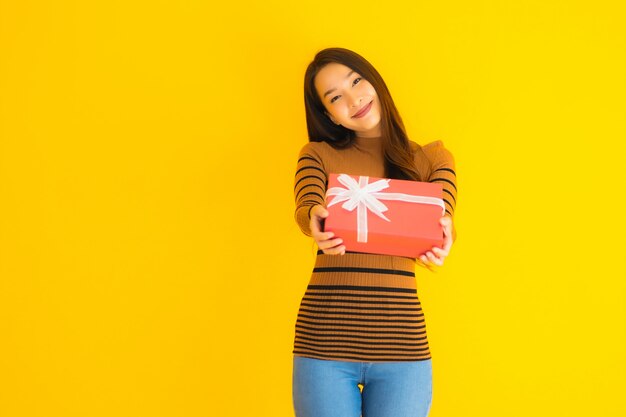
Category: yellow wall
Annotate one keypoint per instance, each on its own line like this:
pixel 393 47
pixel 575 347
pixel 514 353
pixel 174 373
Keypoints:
pixel 149 260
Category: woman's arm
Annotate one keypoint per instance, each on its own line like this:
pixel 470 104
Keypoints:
pixel 309 186
pixel 443 171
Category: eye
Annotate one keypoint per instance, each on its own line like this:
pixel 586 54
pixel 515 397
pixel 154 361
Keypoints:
pixel 353 83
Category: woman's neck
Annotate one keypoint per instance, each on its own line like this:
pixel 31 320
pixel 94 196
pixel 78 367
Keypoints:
pixel 367 138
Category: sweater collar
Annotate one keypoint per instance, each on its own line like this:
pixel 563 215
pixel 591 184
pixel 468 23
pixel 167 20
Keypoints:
pixel 367 142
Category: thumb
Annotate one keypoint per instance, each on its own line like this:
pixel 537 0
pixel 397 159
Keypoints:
pixel 445 223
pixel 323 212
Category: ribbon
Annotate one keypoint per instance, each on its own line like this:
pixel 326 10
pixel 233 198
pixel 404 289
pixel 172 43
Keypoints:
pixel 364 197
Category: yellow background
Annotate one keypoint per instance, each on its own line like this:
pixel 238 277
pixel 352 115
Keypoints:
pixel 150 264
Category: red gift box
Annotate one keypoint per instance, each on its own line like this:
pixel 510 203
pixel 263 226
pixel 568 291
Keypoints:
pixel 384 216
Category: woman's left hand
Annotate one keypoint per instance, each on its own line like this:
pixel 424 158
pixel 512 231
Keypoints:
pixel 437 255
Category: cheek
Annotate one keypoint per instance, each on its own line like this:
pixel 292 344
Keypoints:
pixel 332 111
pixel 340 111
pixel 370 89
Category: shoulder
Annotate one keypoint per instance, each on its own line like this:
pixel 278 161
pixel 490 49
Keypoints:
pixel 432 145
pixel 431 149
pixel 311 147
pixel 318 150
pixel 437 153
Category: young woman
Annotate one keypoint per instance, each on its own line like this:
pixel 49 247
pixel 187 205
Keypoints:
pixel 360 346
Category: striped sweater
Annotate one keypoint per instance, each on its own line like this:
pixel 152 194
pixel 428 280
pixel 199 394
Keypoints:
pixel 358 306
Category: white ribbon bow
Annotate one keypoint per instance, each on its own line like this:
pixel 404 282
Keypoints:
pixel 364 196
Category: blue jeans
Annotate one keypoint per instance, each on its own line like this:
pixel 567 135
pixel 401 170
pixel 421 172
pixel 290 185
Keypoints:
pixel 330 388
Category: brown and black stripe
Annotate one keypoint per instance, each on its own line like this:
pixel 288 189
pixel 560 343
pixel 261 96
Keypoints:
pixel 309 188
pixel 369 312
pixel 443 173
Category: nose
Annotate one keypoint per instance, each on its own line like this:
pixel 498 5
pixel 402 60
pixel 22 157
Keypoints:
pixel 356 102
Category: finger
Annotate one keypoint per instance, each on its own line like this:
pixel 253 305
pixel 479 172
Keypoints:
pixel 424 262
pixel 320 236
pixel 446 225
pixel 447 238
pixel 434 259
pixel 336 250
pixel 326 244
pixel 315 225
pixel 440 252
pixel 317 214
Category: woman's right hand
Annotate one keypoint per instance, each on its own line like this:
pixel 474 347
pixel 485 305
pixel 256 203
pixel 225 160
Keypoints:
pixel 324 240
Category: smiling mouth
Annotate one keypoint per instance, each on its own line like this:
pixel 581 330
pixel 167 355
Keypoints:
pixel 364 110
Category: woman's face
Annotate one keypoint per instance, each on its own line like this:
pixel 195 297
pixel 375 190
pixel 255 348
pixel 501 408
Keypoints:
pixel 344 93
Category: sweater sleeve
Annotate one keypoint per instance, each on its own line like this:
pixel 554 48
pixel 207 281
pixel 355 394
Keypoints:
pixel 309 186
pixel 443 172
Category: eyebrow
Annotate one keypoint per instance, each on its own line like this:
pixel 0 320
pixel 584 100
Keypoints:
pixel 333 89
